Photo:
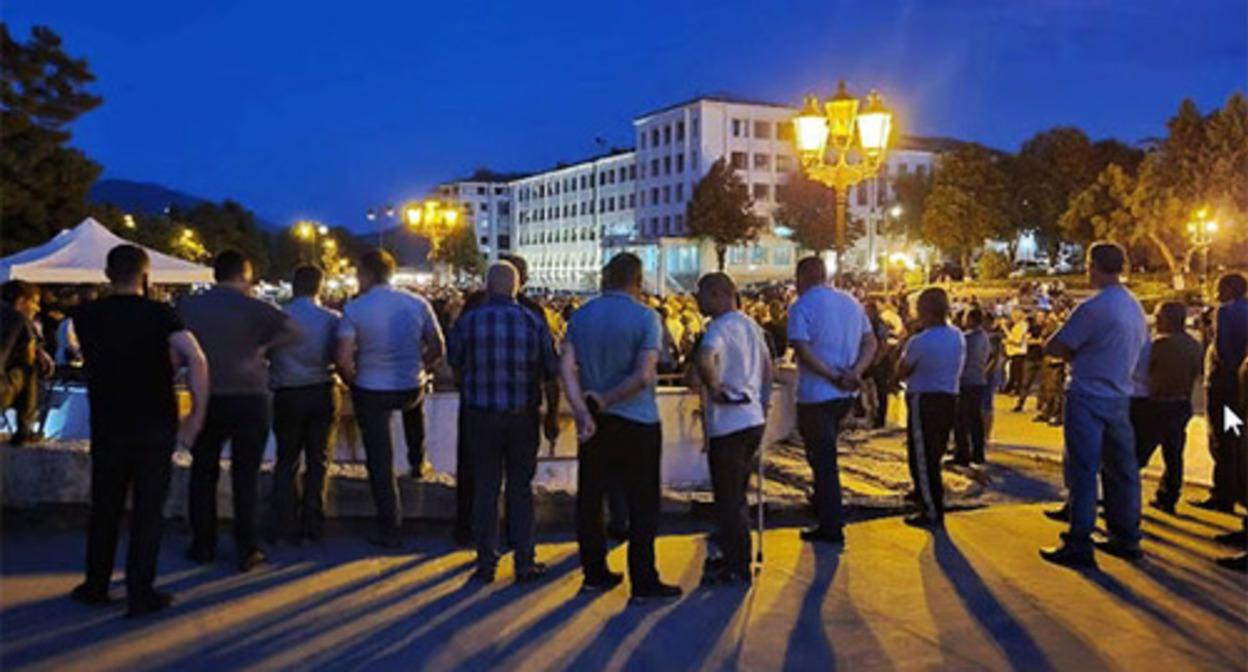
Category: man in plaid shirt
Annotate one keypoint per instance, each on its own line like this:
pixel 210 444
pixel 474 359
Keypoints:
pixel 503 355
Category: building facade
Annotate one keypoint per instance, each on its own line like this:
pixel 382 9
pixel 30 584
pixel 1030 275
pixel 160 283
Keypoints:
pixel 567 221
pixel 487 203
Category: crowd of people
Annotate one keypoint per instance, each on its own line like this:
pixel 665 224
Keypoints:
pixel 252 367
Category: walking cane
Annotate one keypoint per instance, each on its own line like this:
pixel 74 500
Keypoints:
pixel 762 454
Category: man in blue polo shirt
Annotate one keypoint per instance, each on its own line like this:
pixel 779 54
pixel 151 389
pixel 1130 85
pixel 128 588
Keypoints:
pixel 1102 340
pixel 610 368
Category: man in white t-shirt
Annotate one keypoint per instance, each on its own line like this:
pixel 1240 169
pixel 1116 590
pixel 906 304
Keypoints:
pixel 734 364
pixel 931 366
pixel 834 344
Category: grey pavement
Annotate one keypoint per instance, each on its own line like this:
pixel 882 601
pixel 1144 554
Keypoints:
pixel 975 598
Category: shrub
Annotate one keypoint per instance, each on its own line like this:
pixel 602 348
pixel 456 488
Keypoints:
pixel 992 265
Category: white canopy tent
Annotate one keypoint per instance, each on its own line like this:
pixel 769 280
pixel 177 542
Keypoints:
pixel 77 256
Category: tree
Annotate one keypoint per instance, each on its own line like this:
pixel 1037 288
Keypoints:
pixel 227 226
pixel 1102 210
pixel 45 182
pixel 721 211
pixel 910 191
pixel 460 251
pixel 808 208
pixel 967 204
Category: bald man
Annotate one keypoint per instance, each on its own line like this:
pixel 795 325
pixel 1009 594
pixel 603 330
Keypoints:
pixel 504 355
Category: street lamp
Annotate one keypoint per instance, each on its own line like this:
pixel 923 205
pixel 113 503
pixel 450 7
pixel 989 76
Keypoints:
pixel 1202 231
pixel 434 220
pixel 380 215
pixel 839 126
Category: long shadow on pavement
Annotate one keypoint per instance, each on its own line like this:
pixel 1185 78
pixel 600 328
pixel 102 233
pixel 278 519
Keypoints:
pixel 809 647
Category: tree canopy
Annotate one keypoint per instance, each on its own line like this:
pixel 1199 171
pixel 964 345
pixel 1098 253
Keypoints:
pixel 808 207
pixel 722 211
pixel 967 204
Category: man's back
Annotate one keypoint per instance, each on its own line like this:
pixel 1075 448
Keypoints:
pixel 1230 339
pixel 608 334
pixel 833 323
pixel 1107 333
pixel 234 330
pixel 504 353
pixel 388 325
pixel 978 351
pixel 743 354
pixel 309 360
pixel 1174 365
pixel 125 346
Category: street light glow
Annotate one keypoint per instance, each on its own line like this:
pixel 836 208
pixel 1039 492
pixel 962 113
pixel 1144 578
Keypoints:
pixel 896 210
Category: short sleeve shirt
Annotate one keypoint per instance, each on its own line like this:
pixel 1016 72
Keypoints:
pixel 388 326
pixel 936 356
pixel 833 323
pixel 978 349
pixel 235 331
pixel 1107 333
pixel 125 348
pixel 310 359
pixel 742 353
pixel 608 334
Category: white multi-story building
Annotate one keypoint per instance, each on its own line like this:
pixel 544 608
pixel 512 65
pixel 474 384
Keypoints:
pixel 567 221
pixel 564 215
pixel 486 200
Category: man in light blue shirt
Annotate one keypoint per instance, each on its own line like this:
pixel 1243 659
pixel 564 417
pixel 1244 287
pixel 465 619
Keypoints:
pixel 305 410
pixel 610 368
pixel 968 432
pixel 386 339
pixel 834 344
pixel 1102 339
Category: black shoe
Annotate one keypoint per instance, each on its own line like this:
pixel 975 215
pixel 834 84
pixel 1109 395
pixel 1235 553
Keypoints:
pixel 483 575
pixel 251 560
pixel 923 521
pixel 601 582
pixel 149 603
pixel 201 556
pixel 1238 563
pixel 89 595
pixel 1040 418
pixel 1213 504
pixel 1165 507
pixel 655 592
pixel 1067 557
pixel 822 536
pixel 1061 515
pixel 1018 408
pixel 534 572
pixel 1128 552
pixel 1237 538
pixel 388 541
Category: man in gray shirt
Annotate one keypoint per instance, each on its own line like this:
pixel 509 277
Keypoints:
pixel 386 339
pixel 1102 340
pixel 968 432
pixel 235 330
pixel 305 410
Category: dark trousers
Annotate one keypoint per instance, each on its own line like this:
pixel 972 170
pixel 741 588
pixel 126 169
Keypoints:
pixel 819 424
pixel 968 432
pixel 372 413
pixel 628 452
pixel 1225 447
pixel 119 465
pixel 244 421
pixel 1032 369
pixel 303 425
pixel 929 419
pixel 1013 374
pixel 1166 425
pixel 465 478
pixel 19 390
pixel 501 443
pixel 880 376
pixel 731 458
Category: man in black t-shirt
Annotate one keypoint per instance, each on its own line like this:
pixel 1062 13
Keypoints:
pixel 130 345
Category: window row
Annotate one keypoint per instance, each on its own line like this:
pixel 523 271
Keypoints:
pixel 758 255
pixel 762 130
pixel 609 204
pixel 586 181
pixel 784 163
pixel 667 134
pixel 563 235
pixel 668 225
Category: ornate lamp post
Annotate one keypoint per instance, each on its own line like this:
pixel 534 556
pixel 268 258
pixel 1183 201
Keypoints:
pixel 434 220
pixel 840 127
pixel 1202 231
pixel 309 232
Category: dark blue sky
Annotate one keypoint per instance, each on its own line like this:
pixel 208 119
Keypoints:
pixel 320 108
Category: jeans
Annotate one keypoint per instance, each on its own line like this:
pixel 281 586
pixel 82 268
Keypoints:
pixel 819 424
pixel 1031 374
pixel 372 413
pixel 465 478
pixel 1099 438
pixel 1168 427
pixel 501 443
pixel 930 419
pixel 142 464
pixel 628 452
pixel 244 421
pixel 731 458
pixel 303 425
pixel 969 431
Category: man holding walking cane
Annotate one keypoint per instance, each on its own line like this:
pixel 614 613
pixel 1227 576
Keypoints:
pixel 734 364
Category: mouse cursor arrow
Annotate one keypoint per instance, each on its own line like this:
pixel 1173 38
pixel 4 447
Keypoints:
pixel 1230 421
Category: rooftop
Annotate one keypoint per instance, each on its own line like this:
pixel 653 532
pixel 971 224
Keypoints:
pixel 717 97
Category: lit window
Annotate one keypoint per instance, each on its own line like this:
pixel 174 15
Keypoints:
pixel 762 161
pixel 738 160
pixel 784 163
pixel 762 130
